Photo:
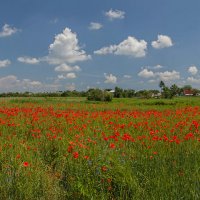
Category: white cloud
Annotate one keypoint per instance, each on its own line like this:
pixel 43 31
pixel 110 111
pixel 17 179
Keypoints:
pixel 157 67
pixel 164 76
pixel 7 30
pixel 110 78
pixel 193 80
pixel 145 73
pixel 8 81
pixel 163 41
pixel 71 75
pixel 61 76
pixel 168 76
pixel 4 63
pixel 193 70
pixel 129 47
pixel 28 60
pixel 95 26
pixel 106 50
pixel 65 49
pixel 127 76
pixel 115 14
pixel 12 83
pixel 67 68
pixel 28 83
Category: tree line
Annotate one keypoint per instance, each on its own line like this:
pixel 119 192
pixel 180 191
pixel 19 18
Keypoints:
pixel 97 94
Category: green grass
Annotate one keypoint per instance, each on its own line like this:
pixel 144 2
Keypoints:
pixel 75 149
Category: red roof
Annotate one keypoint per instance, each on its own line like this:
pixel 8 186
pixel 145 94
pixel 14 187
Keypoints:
pixel 188 92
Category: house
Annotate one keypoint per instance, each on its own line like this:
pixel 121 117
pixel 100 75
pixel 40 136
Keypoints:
pixel 112 91
pixel 188 92
pixel 156 95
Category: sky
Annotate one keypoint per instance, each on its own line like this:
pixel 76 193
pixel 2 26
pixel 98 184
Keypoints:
pixel 63 45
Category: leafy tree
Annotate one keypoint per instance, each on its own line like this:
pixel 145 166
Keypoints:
pixel 162 85
pixel 99 95
pixel 144 94
pixel 187 87
pixel 130 93
pixel 166 93
pixel 174 90
pixel 118 92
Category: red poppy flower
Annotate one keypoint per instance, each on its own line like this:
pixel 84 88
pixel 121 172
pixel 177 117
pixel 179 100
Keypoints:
pixel 75 155
pixel 112 145
pixel 25 164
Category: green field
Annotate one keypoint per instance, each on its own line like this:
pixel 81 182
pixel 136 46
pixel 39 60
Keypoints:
pixel 71 148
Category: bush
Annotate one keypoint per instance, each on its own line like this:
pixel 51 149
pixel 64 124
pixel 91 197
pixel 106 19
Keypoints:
pixel 99 95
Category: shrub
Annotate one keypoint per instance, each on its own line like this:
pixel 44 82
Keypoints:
pixel 99 95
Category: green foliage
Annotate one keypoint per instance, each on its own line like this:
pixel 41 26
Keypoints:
pixel 118 92
pixel 99 95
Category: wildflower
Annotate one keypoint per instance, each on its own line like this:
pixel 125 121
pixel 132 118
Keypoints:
pixel 18 156
pixel 112 145
pixel 103 168
pixel 86 157
pixel 75 155
pixel 25 164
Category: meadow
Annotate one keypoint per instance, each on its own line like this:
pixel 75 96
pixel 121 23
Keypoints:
pixel 70 148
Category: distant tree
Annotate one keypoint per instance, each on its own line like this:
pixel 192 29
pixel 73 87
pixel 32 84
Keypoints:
pixel 144 94
pixel 118 92
pixel 166 93
pixel 174 90
pixel 187 87
pixel 98 95
pixel 162 85
pixel 130 93
pixel 195 91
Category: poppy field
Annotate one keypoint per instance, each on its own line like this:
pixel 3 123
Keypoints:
pixel 78 150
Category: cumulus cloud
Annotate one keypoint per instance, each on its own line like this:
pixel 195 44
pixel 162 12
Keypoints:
pixel 115 14
pixel 67 68
pixel 4 63
pixel 28 83
pixel 193 80
pixel 129 47
pixel 28 60
pixel 145 73
pixel 12 83
pixel 70 75
pixel 110 78
pixel 95 26
pixel 165 76
pixel 168 76
pixel 7 30
pixel 163 41
pixel 127 76
pixel 65 49
pixel 193 70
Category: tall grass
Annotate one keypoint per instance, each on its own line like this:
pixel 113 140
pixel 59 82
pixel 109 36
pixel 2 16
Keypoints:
pixel 64 150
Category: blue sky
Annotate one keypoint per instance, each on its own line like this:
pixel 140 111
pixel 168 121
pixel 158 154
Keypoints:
pixel 66 45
